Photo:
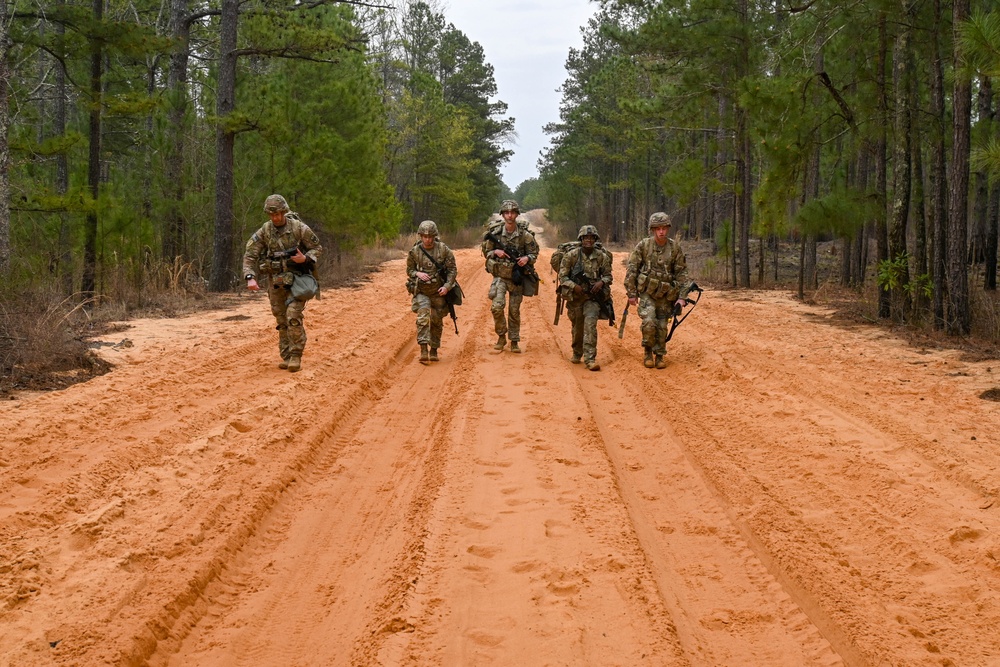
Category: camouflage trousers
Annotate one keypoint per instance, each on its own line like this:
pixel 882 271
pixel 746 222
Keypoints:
pixel 291 328
pixel 656 315
pixel 509 326
pixel 430 311
pixel 583 315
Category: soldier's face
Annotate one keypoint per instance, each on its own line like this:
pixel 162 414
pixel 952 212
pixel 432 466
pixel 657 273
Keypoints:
pixel 660 234
pixel 427 240
pixel 510 218
pixel 277 218
pixel 587 242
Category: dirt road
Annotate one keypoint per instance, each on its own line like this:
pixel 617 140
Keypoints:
pixel 786 492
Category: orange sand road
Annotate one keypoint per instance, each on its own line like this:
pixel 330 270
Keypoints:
pixel 786 492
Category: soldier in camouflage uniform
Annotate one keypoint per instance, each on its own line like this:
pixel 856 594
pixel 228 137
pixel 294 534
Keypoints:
pixel 429 287
pixel 267 254
pixel 657 281
pixel 501 265
pixel 585 280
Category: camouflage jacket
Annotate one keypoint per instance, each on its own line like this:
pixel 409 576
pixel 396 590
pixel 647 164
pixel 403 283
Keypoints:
pixel 520 240
pixel 266 242
pixel 657 271
pixel 595 267
pixel 416 260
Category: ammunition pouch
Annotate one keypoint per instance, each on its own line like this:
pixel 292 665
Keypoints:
pixel 656 284
pixel 503 270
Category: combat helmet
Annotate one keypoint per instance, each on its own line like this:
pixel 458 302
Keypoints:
pixel 427 227
pixel 509 205
pixel 659 219
pixel 588 230
pixel 275 204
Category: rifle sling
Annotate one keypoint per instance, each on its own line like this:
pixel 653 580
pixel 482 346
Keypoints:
pixel 441 270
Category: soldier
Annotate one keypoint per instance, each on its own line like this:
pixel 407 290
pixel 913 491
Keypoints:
pixel 432 270
pixel 276 250
pixel 510 250
pixel 585 281
pixel 657 280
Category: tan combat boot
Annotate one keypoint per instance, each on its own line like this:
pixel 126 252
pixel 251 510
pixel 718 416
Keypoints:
pixel 501 342
pixel 283 364
pixel 648 359
pixel 424 355
pixel 575 359
pixel 294 364
pixel 434 354
pixel 661 363
pixel 514 347
pixel 592 365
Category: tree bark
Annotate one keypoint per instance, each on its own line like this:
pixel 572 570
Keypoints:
pixel 88 283
pixel 174 234
pixel 959 316
pixel 938 175
pixel 881 166
pixel 225 140
pixel 901 169
pixel 981 197
pixel 4 139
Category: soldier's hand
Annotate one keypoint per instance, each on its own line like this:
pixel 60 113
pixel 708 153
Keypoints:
pixel 598 286
pixel 252 285
pixel 500 254
pixel 522 261
pixel 633 301
pixel 298 257
pixel 680 303
pixel 442 291
pixel 577 289
pixel 423 277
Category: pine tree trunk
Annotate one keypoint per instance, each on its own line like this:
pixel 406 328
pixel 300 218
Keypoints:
pixel 959 317
pixel 901 171
pixel 174 234
pixel 881 166
pixel 4 134
pixel 88 282
pixel 938 175
pixel 225 139
pixel 990 283
pixel 980 206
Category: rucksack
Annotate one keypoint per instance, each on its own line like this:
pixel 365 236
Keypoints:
pixel 563 248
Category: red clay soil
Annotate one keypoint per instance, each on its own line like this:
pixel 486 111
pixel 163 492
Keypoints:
pixel 785 492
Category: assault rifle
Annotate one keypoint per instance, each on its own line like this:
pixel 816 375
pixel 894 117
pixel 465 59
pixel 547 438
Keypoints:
pixel 677 309
pixel 517 276
pixel 605 302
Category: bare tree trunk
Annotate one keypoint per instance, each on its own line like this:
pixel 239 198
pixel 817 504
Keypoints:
pixel 88 282
pixel 981 203
pixel 174 234
pixel 980 206
pixel 959 317
pixel 901 170
pixel 5 45
pixel 225 140
pixel 938 175
pixel 881 232
pixel 990 283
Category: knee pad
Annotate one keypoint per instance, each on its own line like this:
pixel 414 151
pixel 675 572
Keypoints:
pixel 281 327
pixel 294 323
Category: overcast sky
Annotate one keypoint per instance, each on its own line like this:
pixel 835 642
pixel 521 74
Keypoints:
pixel 527 42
